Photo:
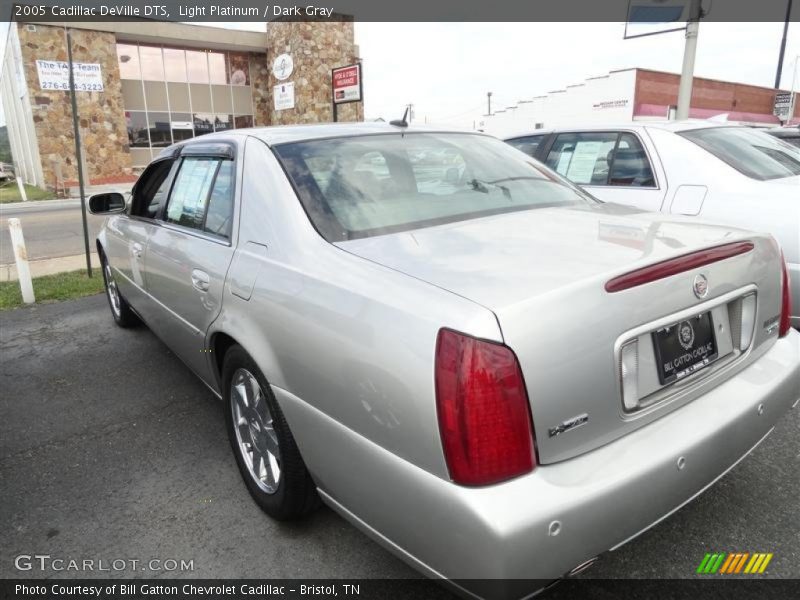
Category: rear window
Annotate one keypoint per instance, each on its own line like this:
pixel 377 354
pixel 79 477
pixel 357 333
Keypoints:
pixel 751 152
pixel 358 187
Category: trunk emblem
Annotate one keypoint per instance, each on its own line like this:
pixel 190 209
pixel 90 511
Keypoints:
pixel 686 335
pixel 700 286
pixel 572 423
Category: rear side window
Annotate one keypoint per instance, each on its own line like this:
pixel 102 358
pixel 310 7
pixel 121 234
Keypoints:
pixel 601 158
pixel 528 144
pixel 202 196
pixel 752 153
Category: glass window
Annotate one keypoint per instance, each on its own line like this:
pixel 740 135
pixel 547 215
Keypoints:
pixel 137 129
pixel 128 59
pixel 240 121
pixel 151 189
pixel 203 123
pixel 752 153
pixel 239 65
pixel 197 66
pixel 187 203
pixel 160 129
pixel 583 158
pixel 527 144
pixel 217 67
pixel 379 184
pixel 223 122
pixel 220 204
pixel 630 166
pixel 175 64
pixel 152 63
pixel 182 126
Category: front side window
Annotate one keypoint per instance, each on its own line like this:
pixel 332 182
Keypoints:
pixel 202 196
pixel 355 187
pixel 528 144
pixel 753 153
pixel 151 189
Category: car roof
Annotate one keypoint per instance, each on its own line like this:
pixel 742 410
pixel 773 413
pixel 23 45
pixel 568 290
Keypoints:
pixel 674 126
pixel 282 134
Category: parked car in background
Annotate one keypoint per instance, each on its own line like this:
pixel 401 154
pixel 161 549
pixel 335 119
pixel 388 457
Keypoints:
pixel 490 372
pixel 735 175
pixel 787 134
pixel 6 172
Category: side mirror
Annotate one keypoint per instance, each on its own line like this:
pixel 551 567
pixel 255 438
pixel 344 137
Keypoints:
pixel 106 204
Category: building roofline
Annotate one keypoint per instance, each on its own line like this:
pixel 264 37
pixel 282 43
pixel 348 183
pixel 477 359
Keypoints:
pixel 174 34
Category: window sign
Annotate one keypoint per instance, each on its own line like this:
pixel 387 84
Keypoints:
pixel 54 75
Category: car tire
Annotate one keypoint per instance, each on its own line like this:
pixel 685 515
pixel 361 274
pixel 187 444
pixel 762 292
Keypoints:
pixel 120 309
pixel 265 450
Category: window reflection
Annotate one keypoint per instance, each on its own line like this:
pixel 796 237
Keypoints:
pixel 145 69
pixel 223 122
pixel 240 121
pixel 175 64
pixel 159 126
pixel 152 63
pixel 218 70
pixel 137 129
pixel 197 66
pixel 239 64
pixel 128 59
pixel 203 123
pixel 182 126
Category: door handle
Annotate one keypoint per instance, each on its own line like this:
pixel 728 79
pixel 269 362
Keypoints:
pixel 136 249
pixel 200 280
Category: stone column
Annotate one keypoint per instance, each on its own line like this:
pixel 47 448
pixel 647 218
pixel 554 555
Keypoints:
pixel 315 48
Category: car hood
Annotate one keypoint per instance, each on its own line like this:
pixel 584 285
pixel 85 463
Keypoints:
pixel 791 182
pixel 502 260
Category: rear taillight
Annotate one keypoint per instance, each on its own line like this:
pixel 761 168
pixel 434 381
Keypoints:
pixel 484 415
pixel 786 301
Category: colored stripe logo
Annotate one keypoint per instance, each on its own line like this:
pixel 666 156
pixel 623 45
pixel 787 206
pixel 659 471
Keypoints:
pixel 734 563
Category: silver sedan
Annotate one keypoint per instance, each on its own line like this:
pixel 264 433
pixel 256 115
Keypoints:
pixel 482 367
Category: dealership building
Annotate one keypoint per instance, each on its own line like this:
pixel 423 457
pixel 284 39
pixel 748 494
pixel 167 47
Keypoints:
pixel 143 85
pixel 633 95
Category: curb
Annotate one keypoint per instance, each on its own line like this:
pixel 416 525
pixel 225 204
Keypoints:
pixel 34 204
pixel 50 266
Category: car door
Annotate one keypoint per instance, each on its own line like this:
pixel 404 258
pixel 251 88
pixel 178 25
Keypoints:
pixel 614 166
pixel 190 250
pixel 127 235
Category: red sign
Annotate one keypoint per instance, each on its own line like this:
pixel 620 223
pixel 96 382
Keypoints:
pixel 346 83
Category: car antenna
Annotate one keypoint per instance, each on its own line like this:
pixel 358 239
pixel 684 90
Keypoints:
pixel 401 122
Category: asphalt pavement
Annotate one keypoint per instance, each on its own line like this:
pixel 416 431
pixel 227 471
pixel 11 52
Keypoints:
pixel 50 231
pixel 110 448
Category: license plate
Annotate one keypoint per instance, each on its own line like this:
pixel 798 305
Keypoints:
pixel 684 348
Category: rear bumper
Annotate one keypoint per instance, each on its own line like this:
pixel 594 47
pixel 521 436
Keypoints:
pixel 600 499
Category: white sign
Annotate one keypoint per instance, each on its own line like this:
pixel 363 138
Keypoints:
pixel 282 67
pixel 54 75
pixel 284 95
pixel 783 105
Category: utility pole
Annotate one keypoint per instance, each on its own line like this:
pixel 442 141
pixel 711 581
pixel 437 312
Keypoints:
pixel 689 52
pixel 489 103
pixel 783 45
pixel 78 154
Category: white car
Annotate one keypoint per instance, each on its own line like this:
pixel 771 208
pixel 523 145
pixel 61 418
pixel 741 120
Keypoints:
pixel 725 174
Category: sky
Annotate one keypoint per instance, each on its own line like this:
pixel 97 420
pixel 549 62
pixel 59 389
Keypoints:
pixel 445 69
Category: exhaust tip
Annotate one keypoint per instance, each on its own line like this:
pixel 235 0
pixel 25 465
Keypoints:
pixel 582 567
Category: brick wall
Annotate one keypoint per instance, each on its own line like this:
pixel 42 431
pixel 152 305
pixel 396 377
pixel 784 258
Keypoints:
pixel 101 114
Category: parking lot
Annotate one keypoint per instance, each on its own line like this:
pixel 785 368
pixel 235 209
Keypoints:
pixel 125 454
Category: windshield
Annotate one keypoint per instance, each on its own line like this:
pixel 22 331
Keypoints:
pixel 364 186
pixel 751 152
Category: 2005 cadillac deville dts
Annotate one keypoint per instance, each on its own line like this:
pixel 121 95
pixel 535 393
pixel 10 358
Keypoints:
pixel 493 374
